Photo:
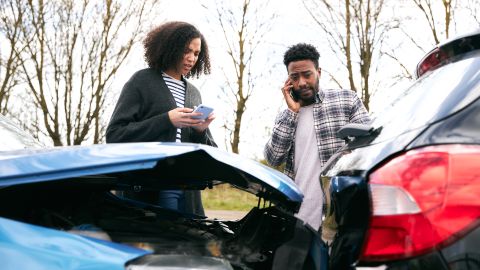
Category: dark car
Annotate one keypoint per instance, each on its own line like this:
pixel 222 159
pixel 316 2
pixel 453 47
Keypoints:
pixel 404 193
pixel 61 208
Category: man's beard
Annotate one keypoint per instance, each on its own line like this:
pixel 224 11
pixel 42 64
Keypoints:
pixel 314 90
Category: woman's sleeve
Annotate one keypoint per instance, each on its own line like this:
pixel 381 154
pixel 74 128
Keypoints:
pixel 127 125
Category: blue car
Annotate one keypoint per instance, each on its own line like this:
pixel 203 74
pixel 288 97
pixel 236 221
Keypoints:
pixel 61 208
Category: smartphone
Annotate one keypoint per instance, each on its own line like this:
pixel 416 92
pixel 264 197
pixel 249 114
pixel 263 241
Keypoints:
pixel 294 95
pixel 205 110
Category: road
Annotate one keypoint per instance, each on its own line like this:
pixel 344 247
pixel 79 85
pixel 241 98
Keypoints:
pixel 225 214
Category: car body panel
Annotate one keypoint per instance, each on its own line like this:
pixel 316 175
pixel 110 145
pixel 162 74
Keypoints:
pixel 462 127
pixel 30 166
pixel 25 246
pixel 352 209
pixel 365 158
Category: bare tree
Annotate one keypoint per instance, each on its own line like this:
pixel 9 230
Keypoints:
pixel 11 16
pixel 244 28
pixel 334 19
pixel 370 33
pixel 441 16
pixel 474 10
pixel 426 8
pixel 435 16
pixel 357 30
pixel 69 52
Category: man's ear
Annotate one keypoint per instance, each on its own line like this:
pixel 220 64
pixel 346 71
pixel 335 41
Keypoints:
pixel 319 70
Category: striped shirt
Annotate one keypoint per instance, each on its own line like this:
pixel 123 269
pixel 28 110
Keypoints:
pixel 177 87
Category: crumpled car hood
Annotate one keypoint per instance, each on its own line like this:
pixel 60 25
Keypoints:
pixel 155 165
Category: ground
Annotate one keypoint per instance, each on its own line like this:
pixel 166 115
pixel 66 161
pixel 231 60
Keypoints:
pixel 225 214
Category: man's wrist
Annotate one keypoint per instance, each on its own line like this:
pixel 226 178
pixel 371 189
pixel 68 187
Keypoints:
pixel 292 110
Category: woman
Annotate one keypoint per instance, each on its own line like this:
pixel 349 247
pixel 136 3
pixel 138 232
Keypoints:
pixel 156 103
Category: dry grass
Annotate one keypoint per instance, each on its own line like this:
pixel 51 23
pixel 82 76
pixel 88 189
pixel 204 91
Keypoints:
pixel 225 197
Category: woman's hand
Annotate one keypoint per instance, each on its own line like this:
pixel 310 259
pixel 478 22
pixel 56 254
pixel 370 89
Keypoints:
pixel 203 125
pixel 182 117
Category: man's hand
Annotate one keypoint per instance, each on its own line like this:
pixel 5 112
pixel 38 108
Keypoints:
pixel 292 104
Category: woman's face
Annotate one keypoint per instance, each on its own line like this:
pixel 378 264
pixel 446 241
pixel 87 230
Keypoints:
pixel 190 56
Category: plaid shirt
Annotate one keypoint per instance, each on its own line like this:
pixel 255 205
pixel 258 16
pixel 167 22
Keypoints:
pixel 331 111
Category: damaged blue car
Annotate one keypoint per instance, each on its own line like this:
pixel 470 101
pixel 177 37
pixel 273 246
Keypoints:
pixel 61 208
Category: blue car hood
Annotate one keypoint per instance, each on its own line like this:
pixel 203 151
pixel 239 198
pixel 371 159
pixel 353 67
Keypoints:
pixel 25 246
pixel 156 165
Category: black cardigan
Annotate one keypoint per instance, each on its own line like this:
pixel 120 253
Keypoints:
pixel 141 115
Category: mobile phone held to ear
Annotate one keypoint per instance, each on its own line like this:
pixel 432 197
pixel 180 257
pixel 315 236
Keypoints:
pixel 294 95
pixel 205 110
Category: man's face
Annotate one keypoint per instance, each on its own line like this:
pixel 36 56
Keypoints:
pixel 305 80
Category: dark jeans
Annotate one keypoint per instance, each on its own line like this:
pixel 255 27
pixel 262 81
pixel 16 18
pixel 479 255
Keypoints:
pixel 172 199
pixel 187 201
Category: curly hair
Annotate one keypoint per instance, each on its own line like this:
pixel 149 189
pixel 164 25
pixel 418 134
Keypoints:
pixel 165 46
pixel 301 51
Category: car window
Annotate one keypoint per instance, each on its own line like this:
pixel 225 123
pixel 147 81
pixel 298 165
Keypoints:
pixel 434 96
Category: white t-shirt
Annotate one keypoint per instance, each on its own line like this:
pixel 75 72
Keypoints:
pixel 307 168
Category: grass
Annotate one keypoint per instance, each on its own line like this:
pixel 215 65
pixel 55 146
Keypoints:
pixel 225 197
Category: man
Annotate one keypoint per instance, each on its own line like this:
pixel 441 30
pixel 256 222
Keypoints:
pixel 156 104
pixel 304 135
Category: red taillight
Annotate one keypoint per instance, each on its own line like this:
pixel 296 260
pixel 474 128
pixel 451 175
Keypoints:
pixel 422 200
pixel 432 61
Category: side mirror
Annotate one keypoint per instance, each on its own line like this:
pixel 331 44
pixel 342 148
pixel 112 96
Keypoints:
pixel 354 130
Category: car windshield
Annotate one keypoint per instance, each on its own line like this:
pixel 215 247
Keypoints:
pixel 13 138
pixel 436 95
